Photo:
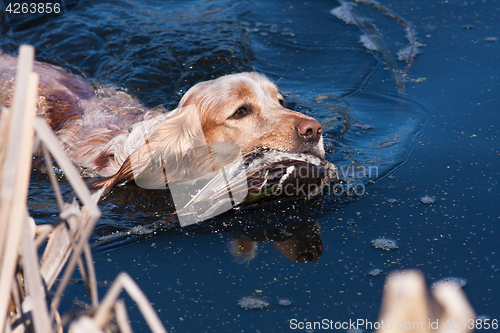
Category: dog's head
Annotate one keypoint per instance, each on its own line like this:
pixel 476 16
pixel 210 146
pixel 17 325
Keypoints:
pixel 244 110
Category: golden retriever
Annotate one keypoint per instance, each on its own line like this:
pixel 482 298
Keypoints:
pixel 101 129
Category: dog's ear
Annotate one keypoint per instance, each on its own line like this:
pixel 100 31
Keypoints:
pixel 172 150
pixel 124 175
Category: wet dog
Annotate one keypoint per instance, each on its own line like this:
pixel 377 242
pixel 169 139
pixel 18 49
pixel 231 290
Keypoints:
pixel 101 129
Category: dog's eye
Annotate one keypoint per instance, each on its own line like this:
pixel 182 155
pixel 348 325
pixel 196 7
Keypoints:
pixel 281 100
pixel 241 112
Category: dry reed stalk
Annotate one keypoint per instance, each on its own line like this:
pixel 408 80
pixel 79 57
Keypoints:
pixel 122 317
pixel 57 251
pixel 453 306
pixel 406 300
pixel 4 135
pixel 15 172
pixel 124 281
pixel 66 242
pixel 35 289
pixel 101 320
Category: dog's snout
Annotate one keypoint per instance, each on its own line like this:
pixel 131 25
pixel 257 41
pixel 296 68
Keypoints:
pixel 309 129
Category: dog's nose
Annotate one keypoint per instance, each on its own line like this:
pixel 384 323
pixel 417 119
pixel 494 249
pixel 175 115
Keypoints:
pixel 309 129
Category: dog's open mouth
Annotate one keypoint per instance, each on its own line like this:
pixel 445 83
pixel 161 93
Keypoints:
pixel 263 175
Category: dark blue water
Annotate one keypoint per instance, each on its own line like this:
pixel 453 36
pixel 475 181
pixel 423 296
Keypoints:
pixel 438 137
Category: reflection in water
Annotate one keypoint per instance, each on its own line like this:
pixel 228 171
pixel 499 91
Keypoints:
pixel 300 243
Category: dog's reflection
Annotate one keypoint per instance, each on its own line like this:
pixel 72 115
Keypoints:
pixel 298 243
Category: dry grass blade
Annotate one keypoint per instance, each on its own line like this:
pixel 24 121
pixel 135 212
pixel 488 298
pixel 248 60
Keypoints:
pixel 4 135
pixel 84 324
pixel 15 172
pixel 454 306
pixel 91 212
pixel 42 232
pixel 33 281
pixel 59 247
pixel 49 139
pixel 85 229
pixel 123 281
pixel 92 281
pixel 406 301
pixel 52 177
pixel 57 250
pixel 122 317
pixel 16 297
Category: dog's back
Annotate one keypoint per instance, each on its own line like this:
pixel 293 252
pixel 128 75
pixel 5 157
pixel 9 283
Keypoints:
pixel 60 92
pixel 89 121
